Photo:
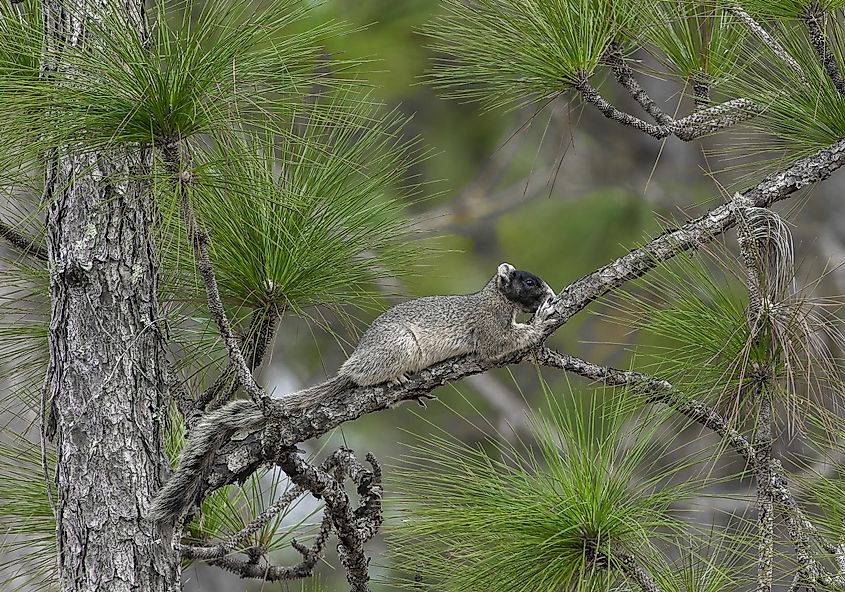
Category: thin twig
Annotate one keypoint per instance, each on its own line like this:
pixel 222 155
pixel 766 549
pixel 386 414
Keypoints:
pixel 764 476
pixel 754 262
pixel 25 245
pixel 625 77
pixel 250 568
pixel 701 90
pixel 636 572
pixel 215 304
pixel 767 40
pixel 171 152
pixel 262 328
pixel 655 390
pixel 712 119
pixel 179 393
pixel 801 530
pixel 814 21
pixel 591 95
pixel 226 547
pixel 700 123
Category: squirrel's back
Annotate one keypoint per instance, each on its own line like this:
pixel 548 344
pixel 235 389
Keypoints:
pixel 414 335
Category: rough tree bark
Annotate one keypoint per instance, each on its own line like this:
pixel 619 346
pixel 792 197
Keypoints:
pixel 106 379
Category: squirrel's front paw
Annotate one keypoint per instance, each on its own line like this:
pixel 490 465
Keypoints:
pixel 545 314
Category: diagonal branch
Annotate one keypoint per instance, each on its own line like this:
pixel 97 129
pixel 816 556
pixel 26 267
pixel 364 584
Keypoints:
pixel 294 425
pixel 814 21
pixel 767 40
pixel 802 532
pixel 591 95
pixel 625 77
pixel 636 572
pixel 803 173
pixel 262 328
pixel 767 470
pixel 171 153
pixel 712 119
pixel 657 391
pixel 26 245
pixel 700 123
pixel 215 303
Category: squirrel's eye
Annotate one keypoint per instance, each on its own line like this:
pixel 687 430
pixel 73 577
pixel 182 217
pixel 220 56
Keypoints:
pixel 530 283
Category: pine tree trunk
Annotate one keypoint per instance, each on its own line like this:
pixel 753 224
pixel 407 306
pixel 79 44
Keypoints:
pixel 106 378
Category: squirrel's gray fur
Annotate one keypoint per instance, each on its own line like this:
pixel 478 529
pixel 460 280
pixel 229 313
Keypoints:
pixel 404 339
pixel 180 491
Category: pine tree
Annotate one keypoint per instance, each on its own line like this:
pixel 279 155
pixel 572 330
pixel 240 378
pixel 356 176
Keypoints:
pixel 182 176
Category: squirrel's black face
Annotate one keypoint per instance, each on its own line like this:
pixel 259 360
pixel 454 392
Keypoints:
pixel 523 288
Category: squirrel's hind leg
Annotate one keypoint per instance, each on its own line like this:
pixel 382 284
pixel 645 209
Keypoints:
pixel 384 358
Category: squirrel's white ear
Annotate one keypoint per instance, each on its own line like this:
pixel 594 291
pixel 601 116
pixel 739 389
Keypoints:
pixel 505 270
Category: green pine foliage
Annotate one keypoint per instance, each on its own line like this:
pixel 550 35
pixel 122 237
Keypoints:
pixel 554 517
pixel 235 63
pixel 24 322
pixel 788 9
pixel 299 178
pixel 708 564
pixel 311 218
pixel 798 118
pixel 512 52
pixel 693 314
pixel 28 550
pixel 698 40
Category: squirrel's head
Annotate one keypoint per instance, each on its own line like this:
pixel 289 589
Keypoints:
pixel 523 288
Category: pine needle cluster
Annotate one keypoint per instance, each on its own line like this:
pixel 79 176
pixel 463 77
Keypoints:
pixel 509 517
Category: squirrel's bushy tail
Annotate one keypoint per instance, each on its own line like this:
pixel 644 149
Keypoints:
pixel 206 438
pixel 305 397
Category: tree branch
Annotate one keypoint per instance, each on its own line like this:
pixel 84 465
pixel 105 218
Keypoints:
pixel 656 390
pixel 25 245
pixel 766 471
pixel 636 572
pixel 354 528
pixel 262 328
pixel 625 77
pixel 712 119
pixel 231 544
pixel 765 505
pixel 171 152
pixel 701 90
pixel 814 21
pixel 767 40
pixel 250 568
pixel 700 123
pixel 215 304
pixel 801 174
pixel 294 425
pixel 591 95
pixel 801 532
